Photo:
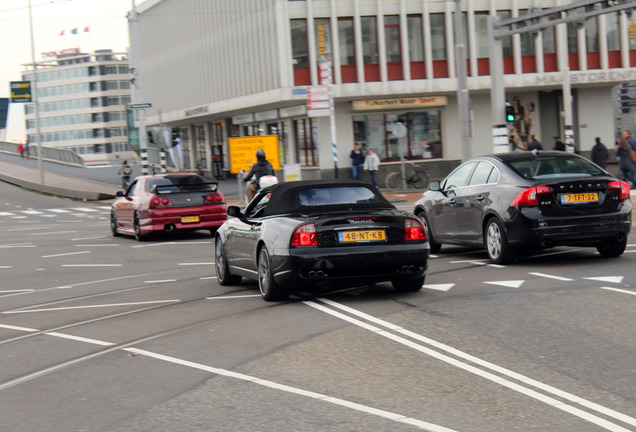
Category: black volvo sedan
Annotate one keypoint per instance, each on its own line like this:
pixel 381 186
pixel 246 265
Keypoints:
pixel 318 233
pixel 519 200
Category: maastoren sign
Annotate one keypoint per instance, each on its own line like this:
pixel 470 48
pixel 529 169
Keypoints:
pixel 617 75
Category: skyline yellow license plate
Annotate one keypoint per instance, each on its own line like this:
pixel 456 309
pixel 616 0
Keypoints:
pixel 579 198
pixel 190 219
pixel 361 236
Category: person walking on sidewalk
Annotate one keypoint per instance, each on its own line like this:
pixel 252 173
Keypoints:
pixel 21 150
pixel 27 149
pixel 125 171
pixel 372 164
pixel 600 153
pixel 357 160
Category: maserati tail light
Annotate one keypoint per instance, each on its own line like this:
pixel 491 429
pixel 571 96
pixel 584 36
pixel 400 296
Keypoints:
pixel 413 230
pixel 305 236
pixel 529 196
pixel 156 201
pixel 623 188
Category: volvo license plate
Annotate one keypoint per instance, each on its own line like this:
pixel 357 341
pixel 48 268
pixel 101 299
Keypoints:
pixel 190 219
pixel 361 236
pixel 579 198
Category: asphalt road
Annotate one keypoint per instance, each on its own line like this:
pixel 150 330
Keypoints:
pixel 102 333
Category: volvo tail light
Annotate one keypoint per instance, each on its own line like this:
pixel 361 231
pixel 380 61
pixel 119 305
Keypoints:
pixel 156 201
pixel 305 236
pixel 413 230
pixel 623 188
pixel 529 196
pixel 214 198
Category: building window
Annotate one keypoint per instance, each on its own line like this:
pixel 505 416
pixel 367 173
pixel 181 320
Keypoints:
pixel 438 36
pixel 369 39
pixel 392 38
pixel 591 35
pixel 416 43
pixel 299 42
pixel 527 39
pixel 346 43
pixel 423 140
pixel 306 132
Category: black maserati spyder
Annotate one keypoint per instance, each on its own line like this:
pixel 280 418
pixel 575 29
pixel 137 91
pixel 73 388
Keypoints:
pixel 321 233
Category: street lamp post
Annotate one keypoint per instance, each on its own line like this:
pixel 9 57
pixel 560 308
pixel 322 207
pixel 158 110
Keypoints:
pixel 34 93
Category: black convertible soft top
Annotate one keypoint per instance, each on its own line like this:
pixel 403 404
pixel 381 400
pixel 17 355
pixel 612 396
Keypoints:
pixel 290 197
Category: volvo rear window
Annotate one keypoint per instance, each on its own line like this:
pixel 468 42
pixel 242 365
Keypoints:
pixel 554 167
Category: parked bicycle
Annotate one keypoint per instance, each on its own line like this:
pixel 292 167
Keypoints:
pixel 416 178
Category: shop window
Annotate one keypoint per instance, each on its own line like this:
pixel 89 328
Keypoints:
pixel 438 45
pixel 300 59
pixel 306 133
pixel 422 142
pixel 347 50
pixel 416 46
pixel 368 25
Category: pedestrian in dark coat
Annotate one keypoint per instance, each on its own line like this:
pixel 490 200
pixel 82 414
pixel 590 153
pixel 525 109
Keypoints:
pixel 625 164
pixel 600 154
pixel 535 144
pixel 559 145
pixel 357 161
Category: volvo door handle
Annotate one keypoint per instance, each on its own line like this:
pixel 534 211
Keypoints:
pixel 480 197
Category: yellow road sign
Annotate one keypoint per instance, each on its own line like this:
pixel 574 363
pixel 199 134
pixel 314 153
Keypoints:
pixel 20 91
pixel 243 151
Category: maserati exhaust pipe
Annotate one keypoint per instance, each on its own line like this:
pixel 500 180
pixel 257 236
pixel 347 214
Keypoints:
pixel 169 228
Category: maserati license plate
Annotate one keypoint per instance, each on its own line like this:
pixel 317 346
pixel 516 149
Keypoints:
pixel 361 236
pixel 190 219
pixel 579 198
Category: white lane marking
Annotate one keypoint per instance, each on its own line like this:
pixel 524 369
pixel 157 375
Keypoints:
pixel 48 215
pixel 619 290
pixel 18 217
pixel 399 418
pixel 98 245
pixel 59 210
pixel 88 238
pixel 172 243
pixel 507 284
pixel 630 251
pixel 92 265
pixel 496 265
pixel 65 254
pixel 196 264
pixel 551 276
pixel 5 267
pixel 31 212
pixel 468 262
pixel 439 287
pixel 487 375
pixel 232 297
pixel 6 214
pixel 85 209
pixel 18 290
pixel 80 339
pixel 610 279
pixel 160 281
pixel 25 329
pixel 31 228
pixel 54 232
pixel 207 277
pixel 21 245
pixel 89 306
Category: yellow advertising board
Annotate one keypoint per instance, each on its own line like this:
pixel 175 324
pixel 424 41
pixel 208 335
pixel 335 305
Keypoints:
pixel 243 151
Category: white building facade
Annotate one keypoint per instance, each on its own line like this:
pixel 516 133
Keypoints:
pixel 229 68
pixel 82 100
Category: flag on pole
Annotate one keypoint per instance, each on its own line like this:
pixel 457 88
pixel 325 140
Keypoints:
pixel 74 31
pixel 62 33
pixel 87 29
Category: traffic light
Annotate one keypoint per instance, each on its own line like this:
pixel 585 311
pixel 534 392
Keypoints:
pixel 510 113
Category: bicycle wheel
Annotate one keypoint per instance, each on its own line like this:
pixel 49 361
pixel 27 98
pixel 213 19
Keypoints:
pixel 393 181
pixel 419 180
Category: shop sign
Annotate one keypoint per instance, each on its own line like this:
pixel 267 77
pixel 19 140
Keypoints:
pixel 400 103
pixel 299 110
pixel 60 53
pixel 196 111
pixel 243 118
pixel 266 115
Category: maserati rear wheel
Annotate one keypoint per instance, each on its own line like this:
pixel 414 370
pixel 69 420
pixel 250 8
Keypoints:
pixel 268 287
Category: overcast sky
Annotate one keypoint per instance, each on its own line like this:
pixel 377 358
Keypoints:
pixel 107 29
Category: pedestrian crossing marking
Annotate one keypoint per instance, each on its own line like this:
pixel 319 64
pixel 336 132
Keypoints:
pixel 59 211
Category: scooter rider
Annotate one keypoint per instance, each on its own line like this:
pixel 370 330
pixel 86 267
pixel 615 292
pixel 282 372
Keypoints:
pixel 261 168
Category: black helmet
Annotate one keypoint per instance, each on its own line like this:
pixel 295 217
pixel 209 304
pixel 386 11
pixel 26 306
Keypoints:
pixel 260 154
